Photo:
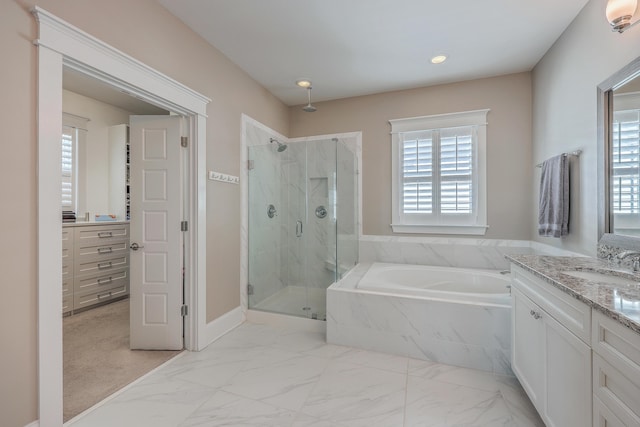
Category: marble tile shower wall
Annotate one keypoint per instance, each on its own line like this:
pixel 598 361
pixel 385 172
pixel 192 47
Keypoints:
pixel 347 212
pixel 449 252
pixel 264 188
pixel 308 255
pixel 293 193
pixel 321 238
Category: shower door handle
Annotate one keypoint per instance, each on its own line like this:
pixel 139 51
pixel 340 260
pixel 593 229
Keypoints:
pixel 298 228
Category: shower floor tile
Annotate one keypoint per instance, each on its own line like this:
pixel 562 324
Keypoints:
pixel 271 376
pixel 294 299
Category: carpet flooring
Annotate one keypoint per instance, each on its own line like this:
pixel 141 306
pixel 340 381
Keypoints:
pixel 97 359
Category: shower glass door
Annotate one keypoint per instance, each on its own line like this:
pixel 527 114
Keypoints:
pixel 292 227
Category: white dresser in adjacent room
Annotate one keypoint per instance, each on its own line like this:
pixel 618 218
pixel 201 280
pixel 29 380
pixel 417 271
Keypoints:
pixel 95 263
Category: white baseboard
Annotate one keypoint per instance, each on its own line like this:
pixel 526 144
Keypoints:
pixel 223 324
pixel 36 423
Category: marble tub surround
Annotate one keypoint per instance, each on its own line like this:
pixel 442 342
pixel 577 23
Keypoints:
pixel 462 334
pixel 618 301
pixel 449 252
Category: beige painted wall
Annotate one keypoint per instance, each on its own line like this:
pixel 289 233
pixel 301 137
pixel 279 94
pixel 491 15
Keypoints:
pixel 509 161
pixel 146 31
pixel 565 112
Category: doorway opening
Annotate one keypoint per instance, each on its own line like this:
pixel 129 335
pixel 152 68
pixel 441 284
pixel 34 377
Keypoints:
pixel 97 280
pixel 61 44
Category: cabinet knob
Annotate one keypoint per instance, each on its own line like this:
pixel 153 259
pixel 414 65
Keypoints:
pixel 535 314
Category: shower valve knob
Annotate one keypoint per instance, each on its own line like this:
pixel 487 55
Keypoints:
pixel 321 212
pixel 271 211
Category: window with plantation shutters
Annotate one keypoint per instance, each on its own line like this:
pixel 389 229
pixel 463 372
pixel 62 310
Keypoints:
pixel 626 162
pixel 439 182
pixel 74 129
pixel 68 173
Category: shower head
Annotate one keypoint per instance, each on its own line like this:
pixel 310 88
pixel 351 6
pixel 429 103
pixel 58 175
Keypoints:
pixel 309 108
pixel 281 146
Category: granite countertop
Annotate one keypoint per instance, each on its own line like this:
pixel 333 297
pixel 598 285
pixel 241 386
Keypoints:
pixel 620 302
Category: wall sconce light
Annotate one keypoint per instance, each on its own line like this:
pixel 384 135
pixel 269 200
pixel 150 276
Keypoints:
pixel 619 14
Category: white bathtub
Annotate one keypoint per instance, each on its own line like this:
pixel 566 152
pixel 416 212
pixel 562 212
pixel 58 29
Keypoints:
pixel 448 315
pixel 461 285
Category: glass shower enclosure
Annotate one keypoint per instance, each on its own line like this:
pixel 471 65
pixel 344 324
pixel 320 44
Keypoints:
pixel 302 224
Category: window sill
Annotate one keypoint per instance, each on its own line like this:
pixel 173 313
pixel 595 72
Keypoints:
pixel 476 230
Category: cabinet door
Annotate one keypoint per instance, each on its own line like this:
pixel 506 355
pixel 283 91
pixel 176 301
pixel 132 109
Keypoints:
pixel 527 340
pixel 568 395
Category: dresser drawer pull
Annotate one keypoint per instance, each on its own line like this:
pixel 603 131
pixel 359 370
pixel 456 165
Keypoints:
pixel 102 266
pixel 103 234
pixel 105 250
pixel 108 294
pixel 105 280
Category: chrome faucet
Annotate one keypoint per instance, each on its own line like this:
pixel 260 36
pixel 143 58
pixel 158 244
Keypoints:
pixel 626 254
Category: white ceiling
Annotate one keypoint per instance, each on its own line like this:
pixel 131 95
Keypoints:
pixel 358 47
pixel 82 84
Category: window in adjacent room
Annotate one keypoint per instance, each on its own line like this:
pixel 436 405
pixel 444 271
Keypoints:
pixel 439 174
pixel 74 129
pixel 626 155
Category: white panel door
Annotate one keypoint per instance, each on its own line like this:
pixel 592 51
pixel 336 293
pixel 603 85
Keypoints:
pixel 156 266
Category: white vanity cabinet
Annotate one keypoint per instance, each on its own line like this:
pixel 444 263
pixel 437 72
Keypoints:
pixel 616 373
pixel 551 355
pixel 67 269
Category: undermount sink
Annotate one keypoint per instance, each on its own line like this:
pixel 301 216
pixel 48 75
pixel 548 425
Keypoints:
pixel 602 277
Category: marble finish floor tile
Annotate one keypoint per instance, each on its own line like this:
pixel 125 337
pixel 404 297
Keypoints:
pixel 259 375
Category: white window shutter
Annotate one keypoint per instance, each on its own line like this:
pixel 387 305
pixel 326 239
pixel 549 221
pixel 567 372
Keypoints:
pixel 626 162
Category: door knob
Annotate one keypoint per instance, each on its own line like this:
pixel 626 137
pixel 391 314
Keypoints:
pixel 134 246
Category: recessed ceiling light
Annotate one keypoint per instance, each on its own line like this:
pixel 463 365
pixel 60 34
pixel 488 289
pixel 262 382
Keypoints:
pixel 305 83
pixel 438 59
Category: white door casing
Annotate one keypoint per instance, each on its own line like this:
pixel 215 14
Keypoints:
pixel 62 44
pixel 156 215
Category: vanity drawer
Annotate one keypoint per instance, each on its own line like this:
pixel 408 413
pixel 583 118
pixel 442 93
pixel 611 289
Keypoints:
pixel 101 234
pixel 603 416
pixel 571 313
pixel 92 298
pixel 67 303
pixel 101 252
pixel 619 392
pixel 67 286
pixel 67 269
pixel 617 344
pixel 101 282
pixel 67 238
pixel 100 266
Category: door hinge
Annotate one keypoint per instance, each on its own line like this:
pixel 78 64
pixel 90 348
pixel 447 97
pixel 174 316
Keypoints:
pixel 184 226
pixel 250 164
pixel 184 310
pixel 184 141
pixel 249 289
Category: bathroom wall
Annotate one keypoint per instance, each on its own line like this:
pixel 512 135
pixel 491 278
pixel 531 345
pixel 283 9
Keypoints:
pixel 146 31
pixel 565 112
pixel 509 161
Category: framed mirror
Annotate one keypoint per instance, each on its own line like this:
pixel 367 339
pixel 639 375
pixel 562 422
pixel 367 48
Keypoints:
pixel 619 153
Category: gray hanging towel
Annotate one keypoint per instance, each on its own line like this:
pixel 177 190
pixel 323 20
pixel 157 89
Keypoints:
pixel 553 213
